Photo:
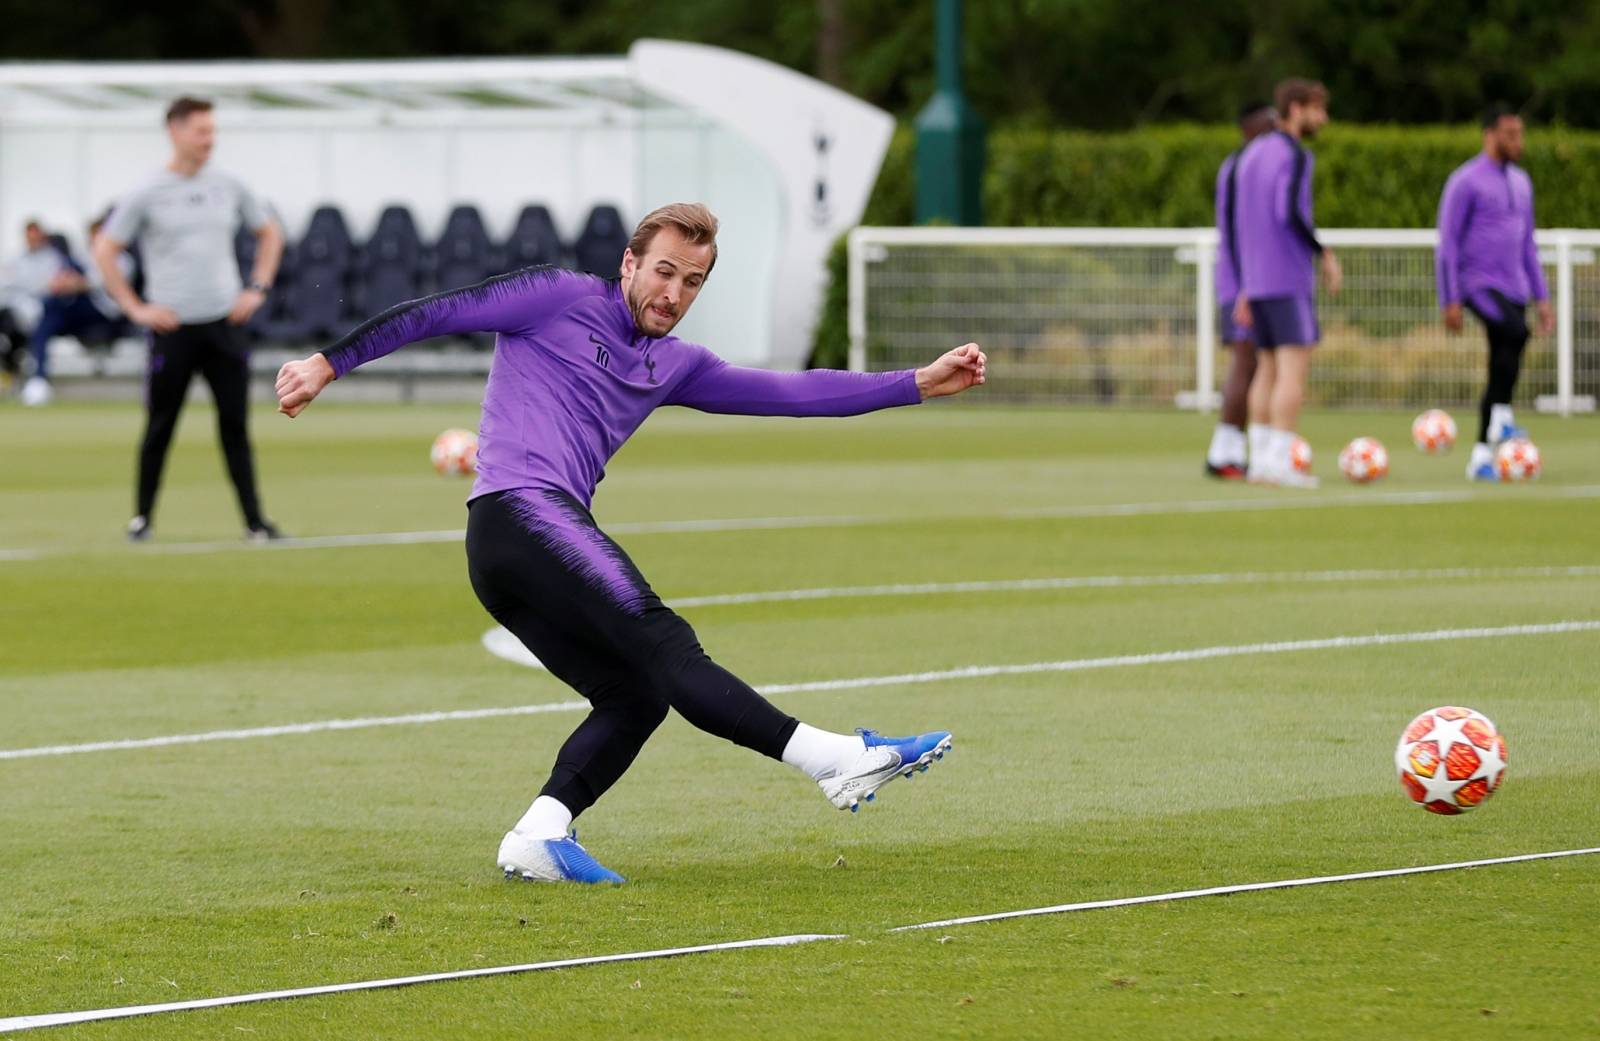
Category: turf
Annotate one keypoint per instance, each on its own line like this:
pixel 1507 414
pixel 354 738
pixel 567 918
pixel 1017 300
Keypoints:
pixel 208 869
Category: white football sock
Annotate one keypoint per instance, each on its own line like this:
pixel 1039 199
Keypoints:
pixel 1217 454
pixel 820 754
pixel 1482 454
pixel 1500 420
pixel 547 818
pixel 1259 436
pixel 1282 444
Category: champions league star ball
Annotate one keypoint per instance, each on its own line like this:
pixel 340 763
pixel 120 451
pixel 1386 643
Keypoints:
pixel 1300 455
pixel 1364 459
pixel 1517 460
pixel 1434 432
pixel 1450 759
pixel 455 452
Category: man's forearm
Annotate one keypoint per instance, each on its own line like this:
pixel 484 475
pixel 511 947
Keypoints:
pixel 105 254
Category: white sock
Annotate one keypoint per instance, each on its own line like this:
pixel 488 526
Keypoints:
pixel 1481 454
pixel 1281 445
pixel 547 818
pixel 1500 419
pixel 1259 436
pixel 820 754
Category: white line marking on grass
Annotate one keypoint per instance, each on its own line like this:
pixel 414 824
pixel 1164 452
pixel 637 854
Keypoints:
pixel 499 642
pixel 1288 502
pixel 1248 887
pixel 967 672
pixel 671 527
pixel 53 1019
pixel 295 728
pixel 50 1019
pixel 1197 654
pixel 1133 581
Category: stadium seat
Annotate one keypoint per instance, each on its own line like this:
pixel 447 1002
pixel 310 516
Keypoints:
pixel 389 270
pixel 533 240
pixel 464 255
pixel 244 251
pixel 279 319
pixel 322 273
pixel 598 249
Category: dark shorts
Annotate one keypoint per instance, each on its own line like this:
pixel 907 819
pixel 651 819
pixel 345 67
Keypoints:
pixel 1285 321
pixel 1232 332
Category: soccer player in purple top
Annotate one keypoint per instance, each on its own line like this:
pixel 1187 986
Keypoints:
pixel 1226 456
pixel 1278 249
pixel 579 363
pixel 1487 262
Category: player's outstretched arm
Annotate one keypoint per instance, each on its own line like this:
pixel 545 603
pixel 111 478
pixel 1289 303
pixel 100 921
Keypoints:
pixel 516 302
pixel 954 371
pixel 716 386
pixel 299 382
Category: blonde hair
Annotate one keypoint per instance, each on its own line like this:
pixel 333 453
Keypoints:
pixel 693 221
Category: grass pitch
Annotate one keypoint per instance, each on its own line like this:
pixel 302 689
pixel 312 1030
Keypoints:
pixel 219 868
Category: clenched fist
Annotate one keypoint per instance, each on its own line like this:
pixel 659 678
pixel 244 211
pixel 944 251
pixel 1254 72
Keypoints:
pixel 954 372
pixel 301 381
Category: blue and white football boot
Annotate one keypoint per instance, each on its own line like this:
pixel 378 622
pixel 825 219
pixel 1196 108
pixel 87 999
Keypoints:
pixel 1499 433
pixel 550 860
pixel 1480 466
pixel 883 759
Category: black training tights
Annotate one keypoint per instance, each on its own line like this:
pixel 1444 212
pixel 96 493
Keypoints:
pixel 216 350
pixel 545 571
pixel 1506 322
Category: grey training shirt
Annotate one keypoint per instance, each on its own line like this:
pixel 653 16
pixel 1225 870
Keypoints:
pixel 185 227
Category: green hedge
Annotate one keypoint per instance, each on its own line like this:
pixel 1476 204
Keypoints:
pixel 1367 177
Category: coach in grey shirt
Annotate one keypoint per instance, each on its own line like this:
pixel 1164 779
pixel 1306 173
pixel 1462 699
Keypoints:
pixel 184 219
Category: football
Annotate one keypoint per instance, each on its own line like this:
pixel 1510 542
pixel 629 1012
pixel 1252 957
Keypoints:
pixel 1517 460
pixel 1434 432
pixel 1364 459
pixel 1300 455
pixel 455 452
pixel 1450 759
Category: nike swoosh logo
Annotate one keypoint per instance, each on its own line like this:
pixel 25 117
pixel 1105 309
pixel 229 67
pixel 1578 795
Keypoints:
pixel 596 340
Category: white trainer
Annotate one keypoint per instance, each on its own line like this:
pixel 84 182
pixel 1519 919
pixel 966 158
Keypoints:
pixel 36 392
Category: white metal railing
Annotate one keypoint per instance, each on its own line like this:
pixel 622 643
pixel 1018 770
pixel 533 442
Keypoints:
pixel 1128 314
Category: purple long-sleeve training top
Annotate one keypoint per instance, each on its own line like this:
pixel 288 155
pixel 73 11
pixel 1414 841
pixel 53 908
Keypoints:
pixel 1276 239
pixel 1226 279
pixel 1486 234
pixel 573 377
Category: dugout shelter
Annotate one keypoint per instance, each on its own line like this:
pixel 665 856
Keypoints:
pixel 785 161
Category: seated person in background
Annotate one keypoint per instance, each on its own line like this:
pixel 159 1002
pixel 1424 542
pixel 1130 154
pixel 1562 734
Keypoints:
pixel 47 272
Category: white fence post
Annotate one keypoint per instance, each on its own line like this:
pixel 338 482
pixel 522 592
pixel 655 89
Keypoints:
pixel 856 321
pixel 1205 323
pixel 1564 336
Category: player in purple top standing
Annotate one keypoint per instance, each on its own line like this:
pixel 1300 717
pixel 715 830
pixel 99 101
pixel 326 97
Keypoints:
pixel 1226 456
pixel 1278 248
pixel 1487 261
pixel 579 363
